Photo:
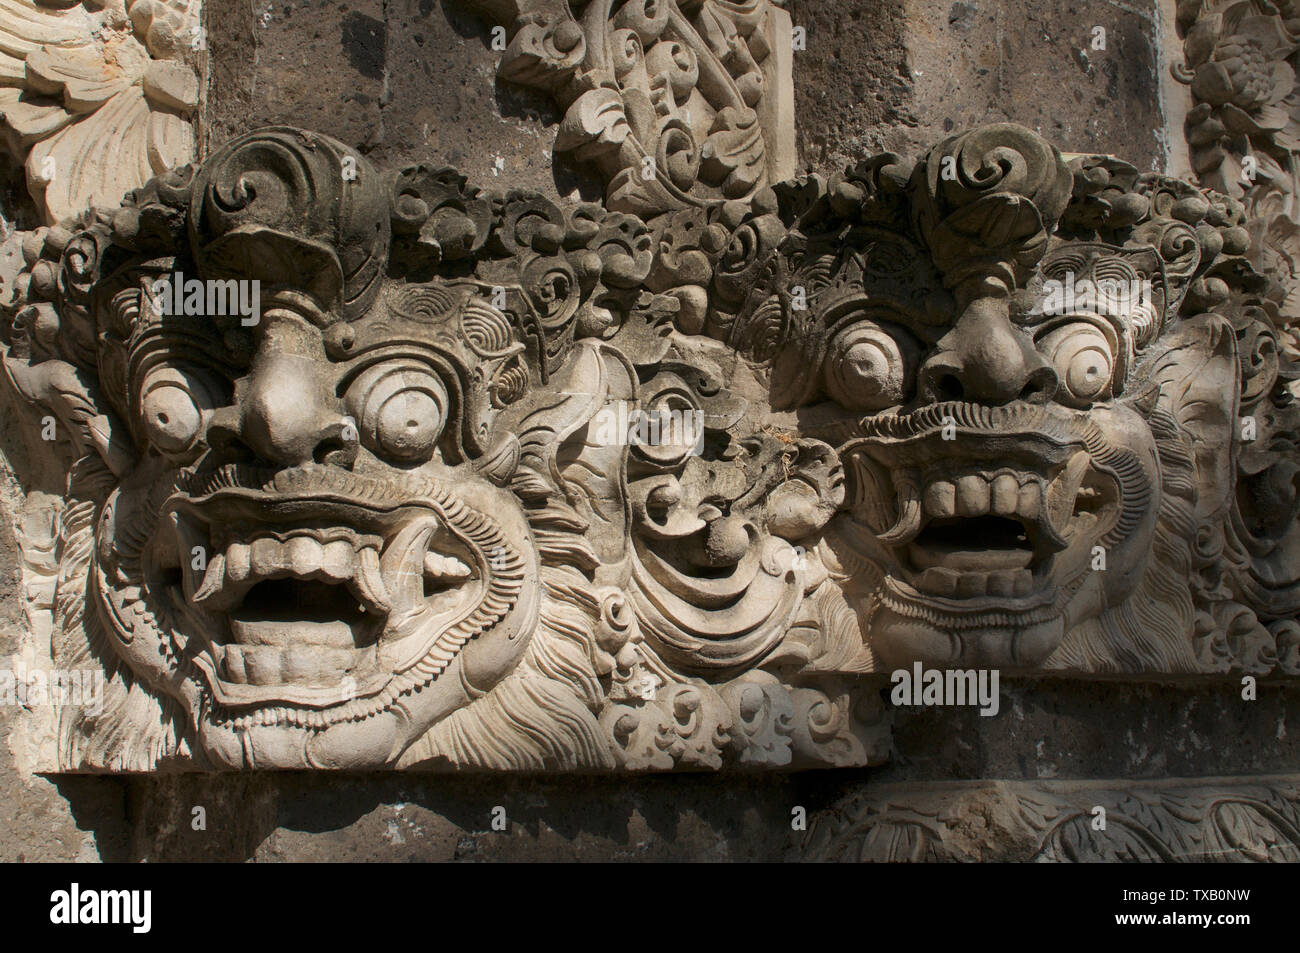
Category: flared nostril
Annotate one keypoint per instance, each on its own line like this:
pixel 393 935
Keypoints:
pixel 339 447
pixel 987 359
pixel 1041 386
pixel 940 379
pixel 949 388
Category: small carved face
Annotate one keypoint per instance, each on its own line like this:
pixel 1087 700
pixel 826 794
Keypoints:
pixel 312 524
pixel 1008 490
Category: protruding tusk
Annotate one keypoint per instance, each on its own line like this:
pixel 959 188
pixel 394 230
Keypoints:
pixel 212 579
pixel 371 582
pixel 908 524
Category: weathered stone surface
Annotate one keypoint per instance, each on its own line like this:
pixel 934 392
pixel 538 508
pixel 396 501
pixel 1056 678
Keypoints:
pixel 404 82
pixel 734 605
pixel 895 76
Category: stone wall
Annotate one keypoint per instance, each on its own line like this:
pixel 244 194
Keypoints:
pixel 415 81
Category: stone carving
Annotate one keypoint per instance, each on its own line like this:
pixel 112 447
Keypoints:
pixel 1200 820
pixel 483 482
pixel 677 105
pixel 96 98
pixel 1240 61
pixel 1031 482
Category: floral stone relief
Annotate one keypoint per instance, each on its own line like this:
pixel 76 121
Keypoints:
pixel 96 98
pixel 484 481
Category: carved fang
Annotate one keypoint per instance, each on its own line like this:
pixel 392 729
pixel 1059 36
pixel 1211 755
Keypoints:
pixel 212 579
pixel 371 582
pixel 909 513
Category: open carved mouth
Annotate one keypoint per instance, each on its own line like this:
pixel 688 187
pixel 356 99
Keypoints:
pixel 968 531
pixel 300 614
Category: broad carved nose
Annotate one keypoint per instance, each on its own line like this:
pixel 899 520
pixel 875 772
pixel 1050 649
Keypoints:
pixel 287 413
pixel 986 359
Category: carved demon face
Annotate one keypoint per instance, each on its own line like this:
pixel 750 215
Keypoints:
pixel 1004 492
pixel 341 577
pixel 993 344
pixel 306 556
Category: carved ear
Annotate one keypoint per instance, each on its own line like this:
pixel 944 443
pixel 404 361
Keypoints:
pixel 73 398
pixel 1198 377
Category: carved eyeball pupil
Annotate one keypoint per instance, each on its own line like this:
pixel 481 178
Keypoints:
pixel 408 424
pixel 1085 372
pixel 1082 356
pixel 401 409
pixel 866 365
pixel 171 418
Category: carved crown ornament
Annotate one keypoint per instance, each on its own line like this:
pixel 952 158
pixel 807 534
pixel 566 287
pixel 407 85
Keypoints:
pixel 484 481
pixel 676 104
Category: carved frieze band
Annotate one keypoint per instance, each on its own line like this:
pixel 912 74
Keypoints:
pixel 376 468
pixel 451 478
pixel 1200 820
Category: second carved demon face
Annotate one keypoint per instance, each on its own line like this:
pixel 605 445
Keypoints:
pixel 1002 490
pixel 993 344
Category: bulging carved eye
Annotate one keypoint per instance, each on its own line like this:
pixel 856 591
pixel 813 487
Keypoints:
pixel 866 368
pixel 1083 355
pixel 172 404
pixel 401 409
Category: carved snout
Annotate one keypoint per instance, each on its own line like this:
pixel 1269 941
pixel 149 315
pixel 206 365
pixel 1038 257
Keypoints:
pixel 986 359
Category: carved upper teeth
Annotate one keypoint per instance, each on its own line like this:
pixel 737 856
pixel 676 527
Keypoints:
pixel 977 494
pixel 1047 505
pixel 438 566
pixel 230 574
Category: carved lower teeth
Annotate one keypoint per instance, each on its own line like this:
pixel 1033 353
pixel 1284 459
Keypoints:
pixel 950 583
pixel 278 665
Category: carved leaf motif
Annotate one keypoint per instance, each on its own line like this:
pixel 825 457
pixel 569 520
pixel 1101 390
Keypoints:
pixel 594 124
pixel 702 90
pixel 91 102
pixel 109 153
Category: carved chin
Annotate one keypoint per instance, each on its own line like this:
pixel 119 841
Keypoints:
pixel 324 606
